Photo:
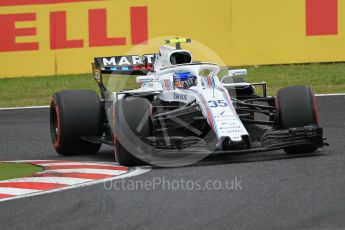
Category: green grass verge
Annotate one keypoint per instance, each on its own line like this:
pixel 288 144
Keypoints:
pixel 38 90
pixel 16 170
pixel 323 78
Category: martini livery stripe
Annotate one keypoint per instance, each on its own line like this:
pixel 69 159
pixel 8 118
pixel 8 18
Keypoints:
pixel 166 84
pixel 227 98
pixel 204 105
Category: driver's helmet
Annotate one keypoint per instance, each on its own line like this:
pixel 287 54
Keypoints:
pixel 184 80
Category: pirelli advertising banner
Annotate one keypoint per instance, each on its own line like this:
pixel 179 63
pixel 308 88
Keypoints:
pixel 46 37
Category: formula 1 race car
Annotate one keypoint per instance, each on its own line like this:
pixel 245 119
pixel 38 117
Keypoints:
pixel 181 107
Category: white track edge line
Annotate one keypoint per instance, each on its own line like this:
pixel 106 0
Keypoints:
pixel 13 191
pixel 26 107
pixel 135 172
pixel 107 163
pixel 46 179
pixel 47 106
pixel 330 94
pixel 109 172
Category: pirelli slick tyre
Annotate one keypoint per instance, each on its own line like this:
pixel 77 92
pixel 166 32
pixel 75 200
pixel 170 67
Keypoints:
pixel 297 108
pixel 75 114
pixel 132 123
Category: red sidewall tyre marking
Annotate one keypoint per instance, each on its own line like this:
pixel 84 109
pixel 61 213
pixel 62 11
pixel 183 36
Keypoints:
pixel 58 138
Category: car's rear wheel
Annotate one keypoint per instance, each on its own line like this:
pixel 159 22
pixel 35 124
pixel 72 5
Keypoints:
pixel 75 114
pixel 132 123
pixel 297 108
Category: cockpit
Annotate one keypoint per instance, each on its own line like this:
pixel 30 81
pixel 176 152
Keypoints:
pixel 184 80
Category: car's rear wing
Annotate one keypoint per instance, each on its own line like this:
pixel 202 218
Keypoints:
pixel 122 65
pixel 125 65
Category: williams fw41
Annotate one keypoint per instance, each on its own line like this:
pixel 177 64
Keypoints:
pixel 183 109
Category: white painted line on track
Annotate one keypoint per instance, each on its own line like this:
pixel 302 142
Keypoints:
pixel 62 162
pixel 26 107
pixel 77 170
pixel 330 94
pixel 134 172
pixel 70 163
pixel 17 191
pixel 47 106
pixel 55 180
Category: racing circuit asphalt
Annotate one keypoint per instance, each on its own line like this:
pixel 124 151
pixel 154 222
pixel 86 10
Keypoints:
pixel 276 191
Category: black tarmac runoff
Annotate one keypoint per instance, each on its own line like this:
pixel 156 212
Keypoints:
pixel 258 191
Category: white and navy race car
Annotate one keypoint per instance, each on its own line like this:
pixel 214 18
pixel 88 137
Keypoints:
pixel 181 107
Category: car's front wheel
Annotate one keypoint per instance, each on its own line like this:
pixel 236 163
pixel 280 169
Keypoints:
pixel 132 123
pixel 297 108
